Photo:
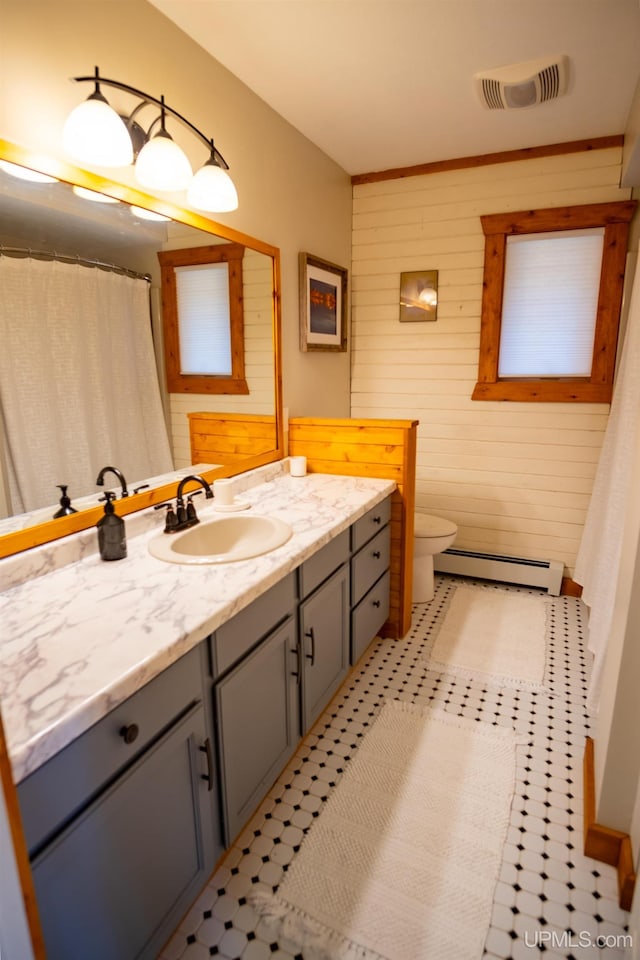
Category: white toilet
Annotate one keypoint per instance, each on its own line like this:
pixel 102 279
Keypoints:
pixel 431 535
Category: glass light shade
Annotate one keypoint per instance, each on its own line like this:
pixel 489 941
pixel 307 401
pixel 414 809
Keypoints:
pixel 162 165
pixel 93 195
pixel 95 134
pixel 145 214
pixel 24 173
pixel 212 189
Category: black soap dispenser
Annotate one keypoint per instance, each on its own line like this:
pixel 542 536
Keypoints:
pixel 112 539
pixel 65 503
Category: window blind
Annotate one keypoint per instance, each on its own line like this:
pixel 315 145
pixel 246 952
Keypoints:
pixel 204 328
pixel 549 305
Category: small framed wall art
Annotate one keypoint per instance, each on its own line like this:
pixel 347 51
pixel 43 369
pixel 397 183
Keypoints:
pixel 418 296
pixel 323 305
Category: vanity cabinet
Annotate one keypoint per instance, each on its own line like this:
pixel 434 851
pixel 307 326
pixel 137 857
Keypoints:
pixel 122 824
pixel 125 825
pixel 256 703
pixel 370 576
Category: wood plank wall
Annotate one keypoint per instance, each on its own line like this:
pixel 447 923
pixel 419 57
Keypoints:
pixel 515 477
pixel 259 367
pixel 371 448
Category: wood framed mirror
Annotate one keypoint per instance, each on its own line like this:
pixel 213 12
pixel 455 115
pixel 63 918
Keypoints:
pixel 52 219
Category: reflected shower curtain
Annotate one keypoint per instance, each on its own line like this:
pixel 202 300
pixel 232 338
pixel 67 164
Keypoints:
pixel 78 381
pixel 598 560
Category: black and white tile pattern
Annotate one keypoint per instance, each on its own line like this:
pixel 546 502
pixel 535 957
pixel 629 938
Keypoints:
pixel 550 901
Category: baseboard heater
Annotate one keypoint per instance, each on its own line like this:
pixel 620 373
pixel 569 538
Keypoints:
pixel 489 566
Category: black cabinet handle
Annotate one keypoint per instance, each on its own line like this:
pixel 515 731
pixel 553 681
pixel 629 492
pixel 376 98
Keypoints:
pixel 311 656
pixel 376 603
pixel 208 776
pixel 296 672
pixel 377 519
pixel 377 554
pixel 130 732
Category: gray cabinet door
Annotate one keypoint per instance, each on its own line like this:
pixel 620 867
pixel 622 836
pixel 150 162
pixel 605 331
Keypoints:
pixel 324 644
pixel 114 885
pixel 257 722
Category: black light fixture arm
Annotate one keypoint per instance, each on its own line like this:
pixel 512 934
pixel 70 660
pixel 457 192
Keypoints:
pixel 146 98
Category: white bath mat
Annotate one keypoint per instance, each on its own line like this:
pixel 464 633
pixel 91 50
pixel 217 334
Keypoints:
pixel 494 635
pixel 402 862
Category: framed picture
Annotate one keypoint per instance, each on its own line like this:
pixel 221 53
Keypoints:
pixel 418 296
pixel 323 305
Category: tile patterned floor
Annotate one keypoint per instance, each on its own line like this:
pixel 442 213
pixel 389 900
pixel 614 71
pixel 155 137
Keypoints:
pixel 550 901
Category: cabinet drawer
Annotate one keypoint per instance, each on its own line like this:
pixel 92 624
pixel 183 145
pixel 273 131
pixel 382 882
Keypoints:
pixel 51 795
pixel 372 522
pixel 233 639
pixel 317 568
pixel 368 616
pixel 369 564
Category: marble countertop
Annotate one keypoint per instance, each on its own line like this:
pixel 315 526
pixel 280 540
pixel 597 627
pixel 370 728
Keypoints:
pixel 79 638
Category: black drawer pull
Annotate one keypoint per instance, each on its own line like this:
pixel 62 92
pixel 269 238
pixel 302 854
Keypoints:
pixel 377 519
pixel 376 603
pixel 208 776
pixel 130 732
pixel 377 554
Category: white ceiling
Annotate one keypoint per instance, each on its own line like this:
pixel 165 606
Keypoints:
pixel 378 84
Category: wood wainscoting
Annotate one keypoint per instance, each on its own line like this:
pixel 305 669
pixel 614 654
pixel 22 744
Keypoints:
pixel 371 448
pixel 603 843
pixel 221 438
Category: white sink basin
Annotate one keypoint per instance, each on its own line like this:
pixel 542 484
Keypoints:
pixel 222 540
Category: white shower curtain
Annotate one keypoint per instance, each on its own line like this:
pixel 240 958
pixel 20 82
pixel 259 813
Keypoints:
pixel 78 382
pixel 598 560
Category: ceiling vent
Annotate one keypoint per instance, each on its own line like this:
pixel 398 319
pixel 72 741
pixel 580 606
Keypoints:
pixel 523 84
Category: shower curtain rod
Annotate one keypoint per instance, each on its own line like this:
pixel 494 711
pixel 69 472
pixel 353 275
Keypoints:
pixel 65 258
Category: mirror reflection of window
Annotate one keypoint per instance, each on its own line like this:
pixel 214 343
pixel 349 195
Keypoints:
pixel 203 321
pixel 204 327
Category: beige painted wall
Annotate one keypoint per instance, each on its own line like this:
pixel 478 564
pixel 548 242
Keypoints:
pixel 515 477
pixel 291 194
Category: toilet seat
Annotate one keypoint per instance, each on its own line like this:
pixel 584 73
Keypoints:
pixel 428 526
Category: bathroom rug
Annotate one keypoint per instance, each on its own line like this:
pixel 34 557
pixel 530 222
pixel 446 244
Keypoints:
pixel 496 636
pixel 402 862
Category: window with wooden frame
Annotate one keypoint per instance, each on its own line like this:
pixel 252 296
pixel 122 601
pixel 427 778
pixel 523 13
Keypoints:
pixel 551 307
pixel 203 319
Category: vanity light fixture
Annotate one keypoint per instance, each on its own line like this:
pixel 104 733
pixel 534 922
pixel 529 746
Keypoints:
pixel 95 133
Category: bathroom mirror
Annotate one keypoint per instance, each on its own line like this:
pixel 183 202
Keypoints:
pixel 52 217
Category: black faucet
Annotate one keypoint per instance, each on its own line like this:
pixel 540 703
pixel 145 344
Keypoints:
pixel 186 515
pixel 119 475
